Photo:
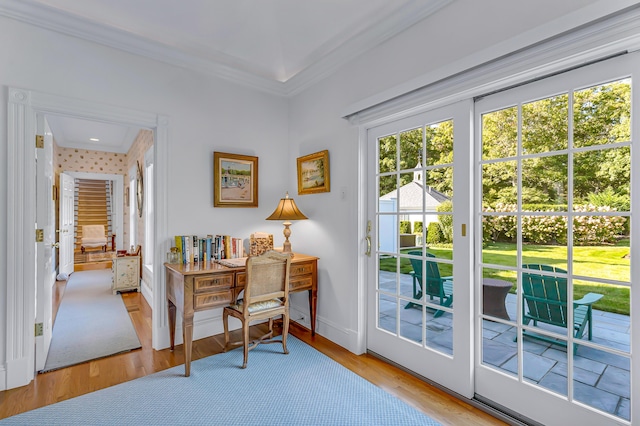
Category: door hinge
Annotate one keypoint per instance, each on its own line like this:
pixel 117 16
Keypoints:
pixel 39 329
pixel 39 235
pixel 39 141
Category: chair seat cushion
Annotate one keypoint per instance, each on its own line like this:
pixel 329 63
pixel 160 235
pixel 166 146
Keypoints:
pixel 94 241
pixel 258 306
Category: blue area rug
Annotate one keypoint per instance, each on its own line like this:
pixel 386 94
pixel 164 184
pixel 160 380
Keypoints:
pixel 302 388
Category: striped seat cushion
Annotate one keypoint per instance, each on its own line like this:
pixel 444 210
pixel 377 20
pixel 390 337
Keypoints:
pixel 258 306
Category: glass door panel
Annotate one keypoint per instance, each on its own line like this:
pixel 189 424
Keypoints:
pixel 411 319
pixel 554 170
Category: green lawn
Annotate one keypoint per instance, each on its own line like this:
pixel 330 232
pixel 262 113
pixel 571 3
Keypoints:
pixel 609 262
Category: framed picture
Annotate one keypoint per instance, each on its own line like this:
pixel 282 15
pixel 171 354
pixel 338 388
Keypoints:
pixel 139 189
pixel 313 173
pixel 235 180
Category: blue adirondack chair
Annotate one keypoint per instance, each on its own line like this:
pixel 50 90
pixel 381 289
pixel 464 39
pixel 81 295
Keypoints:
pixel 434 286
pixel 545 300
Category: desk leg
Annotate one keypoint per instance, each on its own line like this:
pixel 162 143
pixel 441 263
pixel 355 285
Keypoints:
pixel 313 300
pixel 187 335
pixel 172 323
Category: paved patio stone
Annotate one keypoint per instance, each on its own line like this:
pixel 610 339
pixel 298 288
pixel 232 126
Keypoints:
pixel 616 380
pixel 624 409
pixel 587 377
pixel 496 353
pixel 595 397
pixel 604 357
pixel 555 382
pixel 578 361
pixel 535 366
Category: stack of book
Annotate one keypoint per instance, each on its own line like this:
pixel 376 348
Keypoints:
pixel 194 249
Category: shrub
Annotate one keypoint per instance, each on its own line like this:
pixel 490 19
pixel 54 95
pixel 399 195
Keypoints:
pixel 417 227
pixel 550 229
pixel 446 221
pixel 434 233
pixel 405 227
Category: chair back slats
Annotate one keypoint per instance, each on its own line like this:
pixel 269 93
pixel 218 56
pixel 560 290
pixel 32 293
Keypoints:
pixel 433 281
pixel 545 295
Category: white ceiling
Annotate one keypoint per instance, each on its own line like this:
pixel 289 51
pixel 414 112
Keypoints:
pixel 74 132
pixel 280 46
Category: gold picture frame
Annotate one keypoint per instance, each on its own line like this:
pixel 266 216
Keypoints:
pixel 313 173
pixel 235 180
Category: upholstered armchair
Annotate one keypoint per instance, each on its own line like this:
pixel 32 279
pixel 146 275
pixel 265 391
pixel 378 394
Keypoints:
pixel 93 236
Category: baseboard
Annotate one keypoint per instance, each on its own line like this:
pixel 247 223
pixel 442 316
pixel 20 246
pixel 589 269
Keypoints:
pixel 3 378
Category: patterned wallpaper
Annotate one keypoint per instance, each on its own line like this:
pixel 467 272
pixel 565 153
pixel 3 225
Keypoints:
pixel 87 161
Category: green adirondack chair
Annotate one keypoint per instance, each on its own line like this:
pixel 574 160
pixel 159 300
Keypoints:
pixel 437 287
pixel 545 300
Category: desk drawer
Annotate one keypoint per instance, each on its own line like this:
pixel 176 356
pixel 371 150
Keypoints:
pixel 212 299
pixel 241 279
pixel 208 283
pixel 301 268
pixel 300 283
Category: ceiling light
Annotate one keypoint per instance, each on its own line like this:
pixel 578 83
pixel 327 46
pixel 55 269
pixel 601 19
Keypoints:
pixel 94 139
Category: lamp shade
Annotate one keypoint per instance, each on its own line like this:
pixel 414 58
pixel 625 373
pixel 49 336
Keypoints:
pixel 287 210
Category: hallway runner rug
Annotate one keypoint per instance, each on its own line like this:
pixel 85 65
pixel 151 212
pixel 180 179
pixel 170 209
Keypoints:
pixel 91 323
pixel 304 387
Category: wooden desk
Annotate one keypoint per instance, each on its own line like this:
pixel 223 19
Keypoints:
pixel 198 287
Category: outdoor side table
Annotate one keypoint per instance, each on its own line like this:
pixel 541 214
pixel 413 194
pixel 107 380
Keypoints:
pixel 494 292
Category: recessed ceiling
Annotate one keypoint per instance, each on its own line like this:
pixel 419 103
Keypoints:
pixel 71 132
pixel 271 39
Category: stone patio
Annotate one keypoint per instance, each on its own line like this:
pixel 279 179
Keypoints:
pixel 601 379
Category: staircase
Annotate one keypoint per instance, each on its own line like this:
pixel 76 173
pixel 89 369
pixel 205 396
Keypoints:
pixel 93 206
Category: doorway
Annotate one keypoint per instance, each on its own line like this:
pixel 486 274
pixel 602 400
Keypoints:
pixel 20 308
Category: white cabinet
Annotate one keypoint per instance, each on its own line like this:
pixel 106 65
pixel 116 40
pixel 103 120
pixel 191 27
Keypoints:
pixel 125 273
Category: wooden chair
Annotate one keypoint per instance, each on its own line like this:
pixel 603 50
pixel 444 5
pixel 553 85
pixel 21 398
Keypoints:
pixel 266 295
pixel 545 299
pixel 93 236
pixel 436 286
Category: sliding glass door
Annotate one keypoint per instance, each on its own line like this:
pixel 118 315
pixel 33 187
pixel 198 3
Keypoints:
pixel 419 213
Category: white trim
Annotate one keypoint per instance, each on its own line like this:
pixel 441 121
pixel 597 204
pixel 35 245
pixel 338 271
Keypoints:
pixel 498 67
pixel 20 301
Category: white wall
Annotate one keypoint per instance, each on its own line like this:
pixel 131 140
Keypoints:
pixel 205 114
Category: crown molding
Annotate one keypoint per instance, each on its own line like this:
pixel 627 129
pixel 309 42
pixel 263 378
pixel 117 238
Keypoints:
pixel 324 61
pixel 65 23
pixel 327 61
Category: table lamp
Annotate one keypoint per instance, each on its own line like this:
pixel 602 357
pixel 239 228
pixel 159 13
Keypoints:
pixel 287 211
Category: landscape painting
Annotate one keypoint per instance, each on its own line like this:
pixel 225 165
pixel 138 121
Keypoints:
pixel 313 173
pixel 235 180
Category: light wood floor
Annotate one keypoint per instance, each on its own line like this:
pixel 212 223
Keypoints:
pixel 70 382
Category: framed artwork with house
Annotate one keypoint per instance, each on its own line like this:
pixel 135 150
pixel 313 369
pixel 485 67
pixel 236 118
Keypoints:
pixel 235 180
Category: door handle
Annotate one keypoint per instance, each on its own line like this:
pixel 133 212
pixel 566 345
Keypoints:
pixel 368 239
pixel 56 245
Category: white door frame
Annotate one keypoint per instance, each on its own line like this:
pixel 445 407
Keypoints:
pixel 66 222
pixel 23 104
pixel 45 253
